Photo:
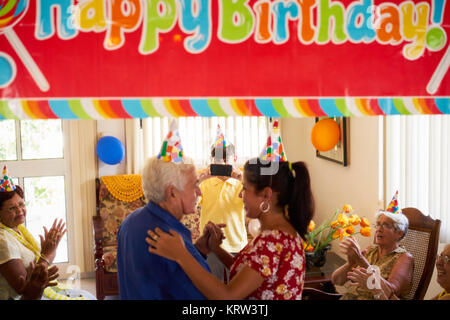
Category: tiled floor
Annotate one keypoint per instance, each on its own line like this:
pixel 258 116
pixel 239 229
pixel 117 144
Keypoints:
pixel 88 284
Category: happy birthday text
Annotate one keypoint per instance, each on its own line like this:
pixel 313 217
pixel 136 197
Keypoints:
pixel 415 25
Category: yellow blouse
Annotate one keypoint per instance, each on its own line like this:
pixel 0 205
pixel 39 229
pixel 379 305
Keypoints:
pixel 385 264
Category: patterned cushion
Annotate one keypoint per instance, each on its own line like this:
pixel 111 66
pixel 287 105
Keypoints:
pixel 113 211
pixel 192 222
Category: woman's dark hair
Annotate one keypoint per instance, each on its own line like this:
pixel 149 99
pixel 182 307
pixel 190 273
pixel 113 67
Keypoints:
pixel 5 196
pixel 293 188
pixel 223 153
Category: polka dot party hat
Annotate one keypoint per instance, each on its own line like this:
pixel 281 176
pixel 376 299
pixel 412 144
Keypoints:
pixel 220 142
pixel 171 149
pixel 274 151
pixel 393 205
pixel 6 183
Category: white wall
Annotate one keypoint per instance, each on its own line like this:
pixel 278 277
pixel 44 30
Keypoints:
pixel 115 128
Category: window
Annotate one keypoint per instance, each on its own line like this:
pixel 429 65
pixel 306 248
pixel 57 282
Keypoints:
pixel 418 165
pixel 34 152
pixel 248 134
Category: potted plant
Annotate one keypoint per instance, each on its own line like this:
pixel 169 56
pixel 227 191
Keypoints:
pixel 342 223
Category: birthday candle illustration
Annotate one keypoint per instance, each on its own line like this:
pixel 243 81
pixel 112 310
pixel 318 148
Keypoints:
pixel 11 11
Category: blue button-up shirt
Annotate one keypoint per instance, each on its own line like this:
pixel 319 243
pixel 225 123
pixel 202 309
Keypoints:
pixel 144 275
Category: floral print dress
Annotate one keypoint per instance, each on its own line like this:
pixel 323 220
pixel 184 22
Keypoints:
pixel 279 258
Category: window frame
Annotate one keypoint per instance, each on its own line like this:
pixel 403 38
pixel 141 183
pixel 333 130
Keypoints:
pixel 48 168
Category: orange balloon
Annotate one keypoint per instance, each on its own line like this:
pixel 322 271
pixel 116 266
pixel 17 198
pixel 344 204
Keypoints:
pixel 325 134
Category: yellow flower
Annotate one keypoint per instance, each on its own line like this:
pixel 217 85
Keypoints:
pixel 265 260
pixel 337 233
pixel 347 208
pixel 364 222
pixel 365 231
pixel 340 233
pixel 334 224
pixel 343 220
pixel 309 248
pixel 354 219
pixel 266 272
pixel 288 256
pixel 350 230
pixel 279 247
pixel 281 288
pixel 311 226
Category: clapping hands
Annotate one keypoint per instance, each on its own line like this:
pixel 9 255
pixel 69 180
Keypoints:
pixel 38 278
pixel 352 250
pixel 51 239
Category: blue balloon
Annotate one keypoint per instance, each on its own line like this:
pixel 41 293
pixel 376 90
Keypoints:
pixel 110 150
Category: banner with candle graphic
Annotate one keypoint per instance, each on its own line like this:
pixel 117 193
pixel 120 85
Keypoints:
pixel 97 59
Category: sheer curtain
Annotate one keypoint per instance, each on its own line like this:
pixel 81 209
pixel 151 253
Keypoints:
pixel 418 165
pixel 144 137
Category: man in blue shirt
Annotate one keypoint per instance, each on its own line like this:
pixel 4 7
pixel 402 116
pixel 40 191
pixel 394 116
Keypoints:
pixel 172 189
pixel 171 185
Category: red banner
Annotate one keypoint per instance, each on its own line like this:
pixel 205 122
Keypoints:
pixel 223 48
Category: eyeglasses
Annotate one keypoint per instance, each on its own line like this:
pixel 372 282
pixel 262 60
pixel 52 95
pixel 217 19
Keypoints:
pixel 445 259
pixel 21 205
pixel 383 226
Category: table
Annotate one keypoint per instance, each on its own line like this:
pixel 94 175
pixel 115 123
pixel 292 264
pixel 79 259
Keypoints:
pixel 320 278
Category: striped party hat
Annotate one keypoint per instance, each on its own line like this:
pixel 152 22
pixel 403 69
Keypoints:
pixel 220 142
pixel 393 206
pixel 6 183
pixel 274 151
pixel 171 149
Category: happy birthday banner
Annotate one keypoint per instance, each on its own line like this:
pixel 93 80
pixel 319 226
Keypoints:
pixel 102 59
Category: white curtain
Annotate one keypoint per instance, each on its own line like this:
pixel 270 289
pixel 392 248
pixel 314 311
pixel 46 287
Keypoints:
pixel 418 165
pixel 83 139
pixel 144 138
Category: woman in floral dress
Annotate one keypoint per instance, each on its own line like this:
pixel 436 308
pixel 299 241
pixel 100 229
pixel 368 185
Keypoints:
pixel 272 266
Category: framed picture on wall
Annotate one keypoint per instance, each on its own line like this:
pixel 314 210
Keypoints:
pixel 339 153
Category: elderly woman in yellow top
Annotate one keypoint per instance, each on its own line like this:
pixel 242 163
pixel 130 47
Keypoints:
pixel 362 276
pixel 393 263
pixel 18 248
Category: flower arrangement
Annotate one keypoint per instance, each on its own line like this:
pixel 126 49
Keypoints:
pixel 343 226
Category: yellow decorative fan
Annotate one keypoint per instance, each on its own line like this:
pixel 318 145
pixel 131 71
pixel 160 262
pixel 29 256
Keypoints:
pixel 126 187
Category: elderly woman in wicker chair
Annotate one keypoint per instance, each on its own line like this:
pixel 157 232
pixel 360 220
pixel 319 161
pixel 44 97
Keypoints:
pixel 393 263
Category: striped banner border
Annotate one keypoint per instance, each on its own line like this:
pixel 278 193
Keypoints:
pixel 210 107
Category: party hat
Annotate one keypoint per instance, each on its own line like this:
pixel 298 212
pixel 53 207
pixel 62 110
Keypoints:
pixel 394 212
pixel 171 149
pixel 393 205
pixel 220 142
pixel 274 151
pixel 6 184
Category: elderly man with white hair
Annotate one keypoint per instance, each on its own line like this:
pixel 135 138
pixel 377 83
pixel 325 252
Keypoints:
pixel 386 257
pixel 170 184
